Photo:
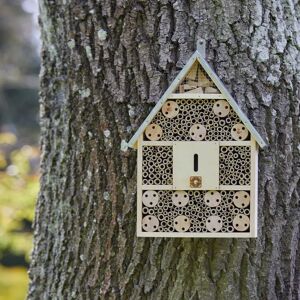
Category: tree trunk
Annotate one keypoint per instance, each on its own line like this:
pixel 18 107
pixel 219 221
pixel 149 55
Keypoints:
pixel 104 65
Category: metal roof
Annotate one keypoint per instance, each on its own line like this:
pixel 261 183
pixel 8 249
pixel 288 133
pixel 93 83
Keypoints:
pixel 197 56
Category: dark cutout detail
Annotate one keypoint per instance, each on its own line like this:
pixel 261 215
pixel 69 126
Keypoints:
pixel 196 167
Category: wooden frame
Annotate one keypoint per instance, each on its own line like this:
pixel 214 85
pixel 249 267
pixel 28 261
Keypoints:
pixel 245 184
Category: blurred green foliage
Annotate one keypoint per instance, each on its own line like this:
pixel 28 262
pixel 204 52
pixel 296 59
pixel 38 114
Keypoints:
pixel 13 283
pixel 18 192
pixel 19 131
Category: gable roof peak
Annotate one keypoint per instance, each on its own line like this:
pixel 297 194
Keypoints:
pixel 198 55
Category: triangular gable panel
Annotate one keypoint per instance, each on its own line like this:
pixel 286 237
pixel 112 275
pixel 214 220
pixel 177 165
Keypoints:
pixel 197 81
pixel 206 82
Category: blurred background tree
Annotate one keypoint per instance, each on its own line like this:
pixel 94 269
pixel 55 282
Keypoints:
pixel 19 133
pixel 19 65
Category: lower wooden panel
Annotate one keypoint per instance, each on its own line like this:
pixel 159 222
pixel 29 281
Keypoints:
pixel 189 213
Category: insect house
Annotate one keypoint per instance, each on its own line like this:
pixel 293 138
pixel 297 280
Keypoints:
pixel 197 161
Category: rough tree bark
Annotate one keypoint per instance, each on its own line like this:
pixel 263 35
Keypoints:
pixel 104 64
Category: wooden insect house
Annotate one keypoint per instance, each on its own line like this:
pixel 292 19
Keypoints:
pixel 197 161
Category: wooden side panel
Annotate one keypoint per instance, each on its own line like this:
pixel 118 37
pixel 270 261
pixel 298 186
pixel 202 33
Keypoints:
pixel 254 185
pixel 139 186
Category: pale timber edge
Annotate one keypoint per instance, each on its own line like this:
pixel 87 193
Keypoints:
pixel 235 187
pixel 157 187
pixel 221 188
pixel 171 143
pixel 195 96
pixel 157 143
pixel 139 186
pixel 254 186
pixel 196 234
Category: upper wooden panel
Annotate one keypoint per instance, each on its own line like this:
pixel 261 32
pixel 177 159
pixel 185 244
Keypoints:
pixel 197 120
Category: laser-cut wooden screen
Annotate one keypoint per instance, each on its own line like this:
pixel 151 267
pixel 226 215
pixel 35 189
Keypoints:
pixel 197 162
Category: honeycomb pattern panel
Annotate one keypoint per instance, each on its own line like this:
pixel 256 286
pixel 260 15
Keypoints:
pixel 157 165
pixel 235 165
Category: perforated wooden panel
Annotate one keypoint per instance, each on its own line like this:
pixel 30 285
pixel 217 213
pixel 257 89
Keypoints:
pixel 201 216
pixel 193 112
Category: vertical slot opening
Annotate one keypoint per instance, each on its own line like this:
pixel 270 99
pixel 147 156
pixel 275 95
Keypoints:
pixel 196 162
